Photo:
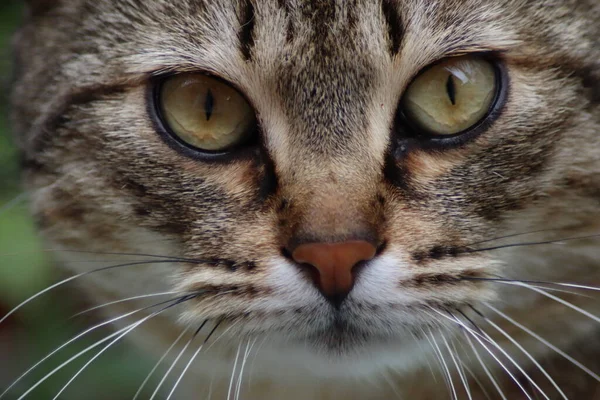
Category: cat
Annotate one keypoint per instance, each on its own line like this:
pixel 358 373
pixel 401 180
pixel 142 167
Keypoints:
pixel 331 197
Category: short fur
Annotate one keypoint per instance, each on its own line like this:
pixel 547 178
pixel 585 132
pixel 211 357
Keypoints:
pixel 325 78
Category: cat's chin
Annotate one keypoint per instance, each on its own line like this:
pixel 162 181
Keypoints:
pixel 345 342
pixel 341 351
pixel 335 355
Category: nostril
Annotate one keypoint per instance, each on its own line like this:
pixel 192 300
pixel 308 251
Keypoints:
pixel 309 270
pixel 357 269
pixel 381 248
pixel 286 253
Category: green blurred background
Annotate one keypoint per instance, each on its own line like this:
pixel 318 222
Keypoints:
pixel 25 269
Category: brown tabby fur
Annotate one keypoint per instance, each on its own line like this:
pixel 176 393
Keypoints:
pixel 325 78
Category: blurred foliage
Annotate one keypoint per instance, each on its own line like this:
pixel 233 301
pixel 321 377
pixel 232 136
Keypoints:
pixel 44 324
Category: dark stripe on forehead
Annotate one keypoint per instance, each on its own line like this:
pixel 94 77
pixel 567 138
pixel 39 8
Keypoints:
pixel 395 29
pixel 246 33
pixel 320 13
pixel 327 80
pixel 290 30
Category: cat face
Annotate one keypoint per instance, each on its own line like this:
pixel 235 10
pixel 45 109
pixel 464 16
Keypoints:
pixel 334 160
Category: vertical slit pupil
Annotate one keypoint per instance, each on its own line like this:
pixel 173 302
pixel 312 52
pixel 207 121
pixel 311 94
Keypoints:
pixel 209 103
pixel 451 89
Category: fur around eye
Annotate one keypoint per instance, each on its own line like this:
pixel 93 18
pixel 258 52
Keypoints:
pixel 204 112
pixel 452 97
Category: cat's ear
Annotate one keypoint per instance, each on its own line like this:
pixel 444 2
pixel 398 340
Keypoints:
pixel 38 7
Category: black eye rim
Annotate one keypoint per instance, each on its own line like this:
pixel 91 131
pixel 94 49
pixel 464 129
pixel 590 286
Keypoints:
pixel 243 149
pixel 433 141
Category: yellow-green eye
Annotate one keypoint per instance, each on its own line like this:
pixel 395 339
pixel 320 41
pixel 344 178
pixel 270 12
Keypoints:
pixel 451 96
pixel 205 112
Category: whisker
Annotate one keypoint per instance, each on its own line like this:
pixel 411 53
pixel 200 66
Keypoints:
pixel 238 390
pixel 164 378
pixel 437 348
pixel 485 368
pixel 121 301
pixel 482 335
pixel 491 353
pixel 423 351
pixel 511 359
pixel 253 358
pixel 166 353
pixel 13 202
pixel 555 298
pixel 76 337
pixel 534 282
pixel 72 278
pixel 98 343
pixel 539 243
pixel 464 366
pixel 545 342
pixel 193 356
pixel 490 340
pixel 458 369
pixel 392 384
pixel 513 235
pixel 237 355
pixel 455 320
pixel 222 334
pixel 439 359
pixel 116 253
pixel 520 347
pixel 104 349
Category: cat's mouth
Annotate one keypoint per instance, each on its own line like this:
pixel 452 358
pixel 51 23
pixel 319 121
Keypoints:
pixel 353 329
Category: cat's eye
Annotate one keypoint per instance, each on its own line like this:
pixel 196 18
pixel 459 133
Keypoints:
pixel 205 112
pixel 451 96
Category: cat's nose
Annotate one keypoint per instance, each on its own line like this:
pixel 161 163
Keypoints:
pixel 333 263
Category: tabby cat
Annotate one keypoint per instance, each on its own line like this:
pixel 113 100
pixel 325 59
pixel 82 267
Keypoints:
pixel 328 199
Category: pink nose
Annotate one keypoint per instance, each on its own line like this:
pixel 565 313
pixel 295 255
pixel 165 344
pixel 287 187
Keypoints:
pixel 334 263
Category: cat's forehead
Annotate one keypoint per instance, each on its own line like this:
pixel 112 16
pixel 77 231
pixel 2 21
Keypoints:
pixel 274 32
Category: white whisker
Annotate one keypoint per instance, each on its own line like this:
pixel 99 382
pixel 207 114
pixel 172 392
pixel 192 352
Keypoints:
pixel 485 368
pixel 192 359
pixel 497 346
pixel 238 389
pixel 222 334
pixel 558 299
pixel 423 351
pixel 454 396
pixel 546 343
pixel 458 369
pixel 237 355
pixel 73 339
pixel 139 391
pixel 577 286
pixel 13 202
pixel 439 359
pixel 168 372
pixel 104 349
pixel 253 358
pixel 98 343
pixel 551 289
pixel 536 282
pixel 533 360
pixel 391 383
pixel 462 324
pixel 72 278
pixel 144 296
pixel 464 366
pixel 491 353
